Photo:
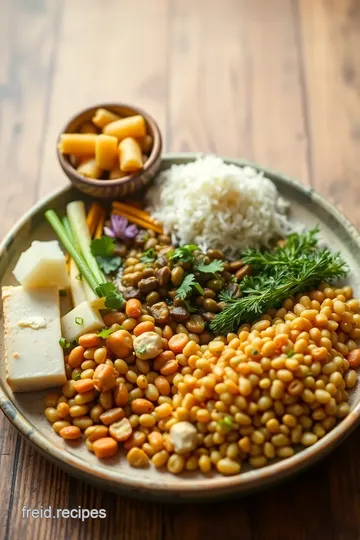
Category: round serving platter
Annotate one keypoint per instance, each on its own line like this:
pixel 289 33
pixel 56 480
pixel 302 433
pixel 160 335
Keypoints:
pixel 25 411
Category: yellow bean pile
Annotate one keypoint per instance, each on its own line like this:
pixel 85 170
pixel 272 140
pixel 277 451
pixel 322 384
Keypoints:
pixel 251 396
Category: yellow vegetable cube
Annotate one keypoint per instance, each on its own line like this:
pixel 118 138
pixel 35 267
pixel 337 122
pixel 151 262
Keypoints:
pixel 78 144
pixel 103 117
pixel 130 156
pixel 89 169
pixel 132 126
pixel 106 151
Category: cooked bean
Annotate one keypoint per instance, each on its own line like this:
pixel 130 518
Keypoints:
pixel 141 406
pixel 177 276
pixel 152 298
pixel 163 276
pixel 89 340
pixel 195 324
pixel 137 458
pixel 147 285
pixel 70 433
pixel 120 343
pixel 112 415
pixel 121 430
pixel 105 447
pixel 210 305
pixel 76 356
pixel 104 377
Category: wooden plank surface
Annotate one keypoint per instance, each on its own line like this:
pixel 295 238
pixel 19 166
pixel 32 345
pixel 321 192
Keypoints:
pixel 277 82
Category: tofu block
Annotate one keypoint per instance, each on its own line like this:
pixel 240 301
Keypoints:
pixel 34 359
pixel 81 320
pixel 42 265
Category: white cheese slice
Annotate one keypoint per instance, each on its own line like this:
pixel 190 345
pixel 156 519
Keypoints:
pixel 80 320
pixel 42 265
pixel 34 358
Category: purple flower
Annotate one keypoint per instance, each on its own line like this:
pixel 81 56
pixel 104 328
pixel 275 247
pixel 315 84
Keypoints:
pixel 120 228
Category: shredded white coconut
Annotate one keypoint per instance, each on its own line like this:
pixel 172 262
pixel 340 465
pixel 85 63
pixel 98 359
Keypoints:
pixel 210 203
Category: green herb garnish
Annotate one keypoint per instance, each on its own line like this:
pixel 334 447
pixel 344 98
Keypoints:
pixel 64 344
pixel 79 320
pixel 278 274
pixel 190 308
pixel 211 268
pixel 108 264
pixel 148 256
pixel 226 422
pixel 255 352
pixel 141 349
pixel 113 299
pixel 187 285
pixel 290 353
pixel 106 332
pixel 77 377
pixel 103 247
pixel 183 254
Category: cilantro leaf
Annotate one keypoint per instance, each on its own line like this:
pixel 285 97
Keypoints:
pixel 106 332
pixel 108 264
pixel 211 268
pixel 186 287
pixel 141 349
pixel 103 247
pixel 183 254
pixel 148 256
pixel 113 299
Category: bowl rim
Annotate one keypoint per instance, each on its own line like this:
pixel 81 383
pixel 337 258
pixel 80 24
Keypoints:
pixel 172 490
pixel 72 173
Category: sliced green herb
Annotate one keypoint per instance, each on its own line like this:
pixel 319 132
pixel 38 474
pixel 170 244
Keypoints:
pixel 64 344
pixel 255 352
pixel 148 256
pixel 198 287
pixel 211 268
pixel 103 247
pixel 226 422
pixel 108 264
pixel 77 377
pixel 183 254
pixel 141 349
pixel 79 320
pixel 106 332
pixel 290 353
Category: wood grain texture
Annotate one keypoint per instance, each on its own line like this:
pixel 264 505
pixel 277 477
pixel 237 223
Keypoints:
pixel 277 82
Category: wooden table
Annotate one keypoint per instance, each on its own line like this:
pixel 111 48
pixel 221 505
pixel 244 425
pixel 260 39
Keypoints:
pixel 276 81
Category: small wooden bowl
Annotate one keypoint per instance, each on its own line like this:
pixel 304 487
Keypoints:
pixel 119 187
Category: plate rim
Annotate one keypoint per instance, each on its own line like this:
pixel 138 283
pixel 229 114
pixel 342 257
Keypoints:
pixel 217 486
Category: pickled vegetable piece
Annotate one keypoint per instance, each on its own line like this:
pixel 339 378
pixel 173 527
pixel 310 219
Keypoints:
pixel 90 169
pixel 106 152
pixel 103 117
pixel 130 156
pixel 79 144
pixel 132 126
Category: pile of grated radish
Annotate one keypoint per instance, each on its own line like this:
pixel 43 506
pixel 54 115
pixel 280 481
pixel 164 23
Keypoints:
pixel 214 204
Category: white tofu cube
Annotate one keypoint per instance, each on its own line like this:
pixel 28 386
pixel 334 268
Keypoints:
pixel 80 320
pixel 42 265
pixel 34 359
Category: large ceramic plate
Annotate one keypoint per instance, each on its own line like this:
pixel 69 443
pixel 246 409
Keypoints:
pixel 25 411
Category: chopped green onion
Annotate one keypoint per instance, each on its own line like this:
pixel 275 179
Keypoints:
pixel 64 344
pixel 79 320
